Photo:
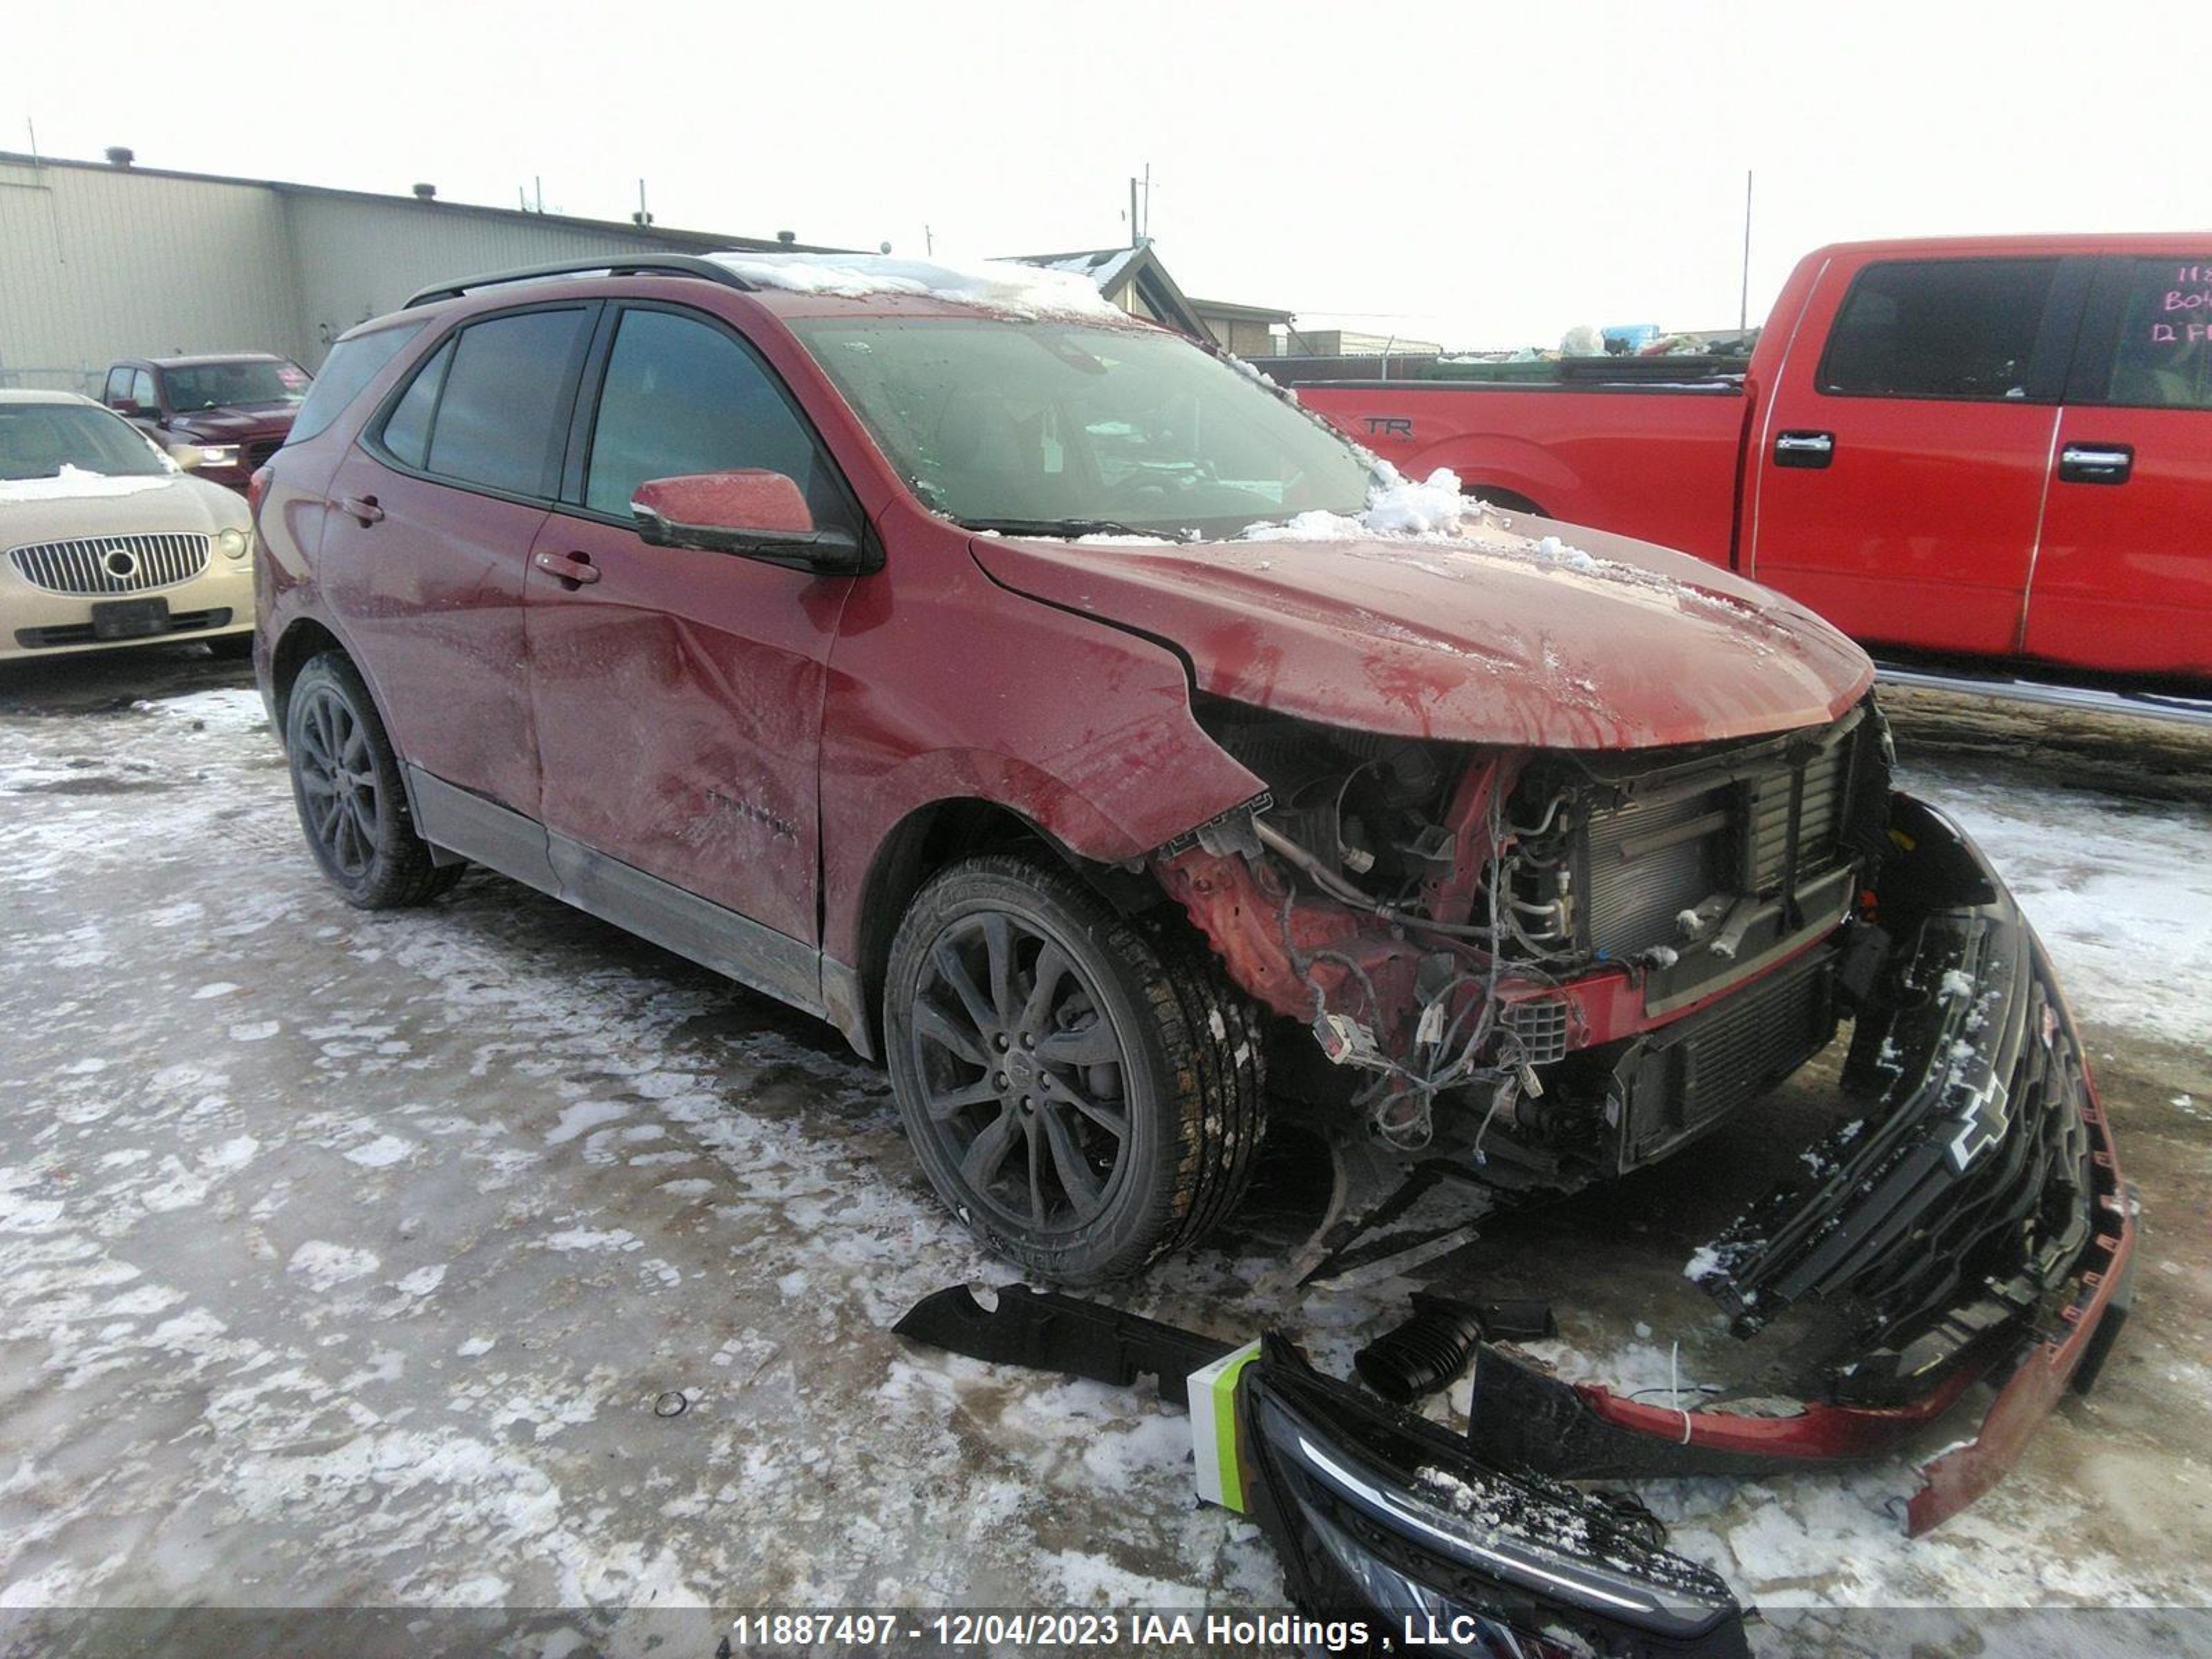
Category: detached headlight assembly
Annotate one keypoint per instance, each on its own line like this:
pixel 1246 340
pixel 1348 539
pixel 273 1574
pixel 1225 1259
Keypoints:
pixel 231 543
pixel 1370 1506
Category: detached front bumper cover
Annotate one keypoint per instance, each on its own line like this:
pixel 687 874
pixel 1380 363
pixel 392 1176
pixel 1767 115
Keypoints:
pixel 1972 1220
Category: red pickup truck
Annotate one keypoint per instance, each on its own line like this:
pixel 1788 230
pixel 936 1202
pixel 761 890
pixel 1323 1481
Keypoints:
pixel 1994 448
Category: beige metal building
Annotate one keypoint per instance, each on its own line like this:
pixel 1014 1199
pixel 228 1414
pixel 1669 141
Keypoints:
pixel 101 261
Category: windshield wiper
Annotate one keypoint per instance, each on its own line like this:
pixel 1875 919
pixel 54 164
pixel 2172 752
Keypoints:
pixel 1063 528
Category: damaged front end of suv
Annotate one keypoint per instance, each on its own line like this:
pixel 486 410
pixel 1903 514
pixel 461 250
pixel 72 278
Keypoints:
pixel 1554 861
pixel 1556 966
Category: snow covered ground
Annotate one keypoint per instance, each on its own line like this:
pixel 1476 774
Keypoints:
pixel 355 1260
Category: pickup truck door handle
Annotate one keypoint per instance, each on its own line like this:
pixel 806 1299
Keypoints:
pixel 2096 464
pixel 1812 449
pixel 574 568
pixel 362 510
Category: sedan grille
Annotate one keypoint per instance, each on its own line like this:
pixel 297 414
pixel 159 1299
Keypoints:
pixel 95 566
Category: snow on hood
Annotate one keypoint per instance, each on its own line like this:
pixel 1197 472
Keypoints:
pixel 999 285
pixel 1430 615
pixel 74 482
pixel 41 510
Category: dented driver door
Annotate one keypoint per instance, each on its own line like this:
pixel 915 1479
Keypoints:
pixel 677 694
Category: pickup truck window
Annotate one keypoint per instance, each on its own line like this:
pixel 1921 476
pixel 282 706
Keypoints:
pixel 1957 328
pixel 234 386
pixel 1053 427
pixel 2162 357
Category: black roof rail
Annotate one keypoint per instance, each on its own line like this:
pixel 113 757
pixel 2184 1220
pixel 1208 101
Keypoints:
pixel 647 264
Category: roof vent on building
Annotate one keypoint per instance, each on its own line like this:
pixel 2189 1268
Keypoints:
pixel 426 193
pixel 121 155
pixel 786 236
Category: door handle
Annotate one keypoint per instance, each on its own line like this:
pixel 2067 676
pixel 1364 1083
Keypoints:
pixel 2096 464
pixel 362 510
pixel 1808 449
pixel 574 568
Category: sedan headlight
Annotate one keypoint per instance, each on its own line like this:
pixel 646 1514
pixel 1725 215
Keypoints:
pixel 232 542
pixel 218 454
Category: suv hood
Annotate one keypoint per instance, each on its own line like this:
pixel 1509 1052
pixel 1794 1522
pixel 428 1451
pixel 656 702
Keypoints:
pixel 1566 638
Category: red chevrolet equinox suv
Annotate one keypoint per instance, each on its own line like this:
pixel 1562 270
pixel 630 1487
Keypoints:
pixel 1122 755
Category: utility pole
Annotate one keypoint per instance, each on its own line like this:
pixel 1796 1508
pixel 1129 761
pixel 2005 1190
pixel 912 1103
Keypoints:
pixel 641 217
pixel 1140 215
pixel 928 242
pixel 1743 307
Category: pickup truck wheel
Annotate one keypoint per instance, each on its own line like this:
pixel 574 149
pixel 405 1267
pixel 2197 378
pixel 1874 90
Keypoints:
pixel 346 785
pixel 1084 1097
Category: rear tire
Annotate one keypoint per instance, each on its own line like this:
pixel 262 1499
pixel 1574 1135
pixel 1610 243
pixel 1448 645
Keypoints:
pixel 1084 1095
pixel 351 800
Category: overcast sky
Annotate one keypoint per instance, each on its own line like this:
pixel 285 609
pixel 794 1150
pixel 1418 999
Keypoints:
pixel 1482 174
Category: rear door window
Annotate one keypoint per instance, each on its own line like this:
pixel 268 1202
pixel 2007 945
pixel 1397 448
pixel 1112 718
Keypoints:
pixel 2161 356
pixel 1963 330
pixel 503 415
pixel 142 389
pixel 680 397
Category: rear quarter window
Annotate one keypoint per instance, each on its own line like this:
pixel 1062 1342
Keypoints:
pixel 353 364
pixel 1963 330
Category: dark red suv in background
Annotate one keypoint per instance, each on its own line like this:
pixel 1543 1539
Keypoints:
pixel 234 409
pixel 1105 742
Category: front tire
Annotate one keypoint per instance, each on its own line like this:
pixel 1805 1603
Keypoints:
pixel 1083 1095
pixel 351 801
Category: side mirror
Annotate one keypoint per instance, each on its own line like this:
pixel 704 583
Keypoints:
pixel 755 514
pixel 127 407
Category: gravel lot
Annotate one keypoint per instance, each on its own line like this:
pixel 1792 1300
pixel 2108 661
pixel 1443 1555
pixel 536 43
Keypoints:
pixel 347 1256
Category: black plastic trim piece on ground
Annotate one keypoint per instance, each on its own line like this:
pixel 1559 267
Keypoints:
pixel 1047 1331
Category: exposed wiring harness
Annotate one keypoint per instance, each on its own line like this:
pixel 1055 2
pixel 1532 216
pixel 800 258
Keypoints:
pixel 1400 1099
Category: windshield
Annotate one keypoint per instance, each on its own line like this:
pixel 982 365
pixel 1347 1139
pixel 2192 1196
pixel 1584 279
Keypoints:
pixel 1061 428
pixel 233 386
pixel 37 440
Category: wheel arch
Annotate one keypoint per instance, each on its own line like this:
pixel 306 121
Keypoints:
pixel 303 639
pixel 928 839
pixel 300 643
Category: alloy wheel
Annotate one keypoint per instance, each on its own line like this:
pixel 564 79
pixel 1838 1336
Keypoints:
pixel 342 800
pixel 1024 1074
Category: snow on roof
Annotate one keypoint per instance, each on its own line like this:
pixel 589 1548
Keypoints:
pixel 1002 286
pixel 1101 265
